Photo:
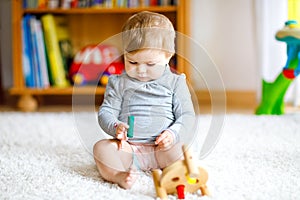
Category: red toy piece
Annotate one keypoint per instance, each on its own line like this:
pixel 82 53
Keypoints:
pixel 289 73
pixel 180 191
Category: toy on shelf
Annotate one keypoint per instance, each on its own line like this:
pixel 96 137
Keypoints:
pixel 273 93
pixel 95 63
pixel 113 68
pixel 180 177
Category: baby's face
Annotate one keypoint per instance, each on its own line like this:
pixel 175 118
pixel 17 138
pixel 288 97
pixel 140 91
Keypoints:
pixel 146 65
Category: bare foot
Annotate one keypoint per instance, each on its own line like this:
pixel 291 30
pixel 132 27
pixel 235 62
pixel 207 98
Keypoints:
pixel 126 179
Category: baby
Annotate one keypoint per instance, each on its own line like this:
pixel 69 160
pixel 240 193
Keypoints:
pixel 158 99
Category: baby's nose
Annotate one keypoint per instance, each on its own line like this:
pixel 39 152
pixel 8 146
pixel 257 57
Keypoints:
pixel 141 68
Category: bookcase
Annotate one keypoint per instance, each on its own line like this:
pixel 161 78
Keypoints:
pixel 86 27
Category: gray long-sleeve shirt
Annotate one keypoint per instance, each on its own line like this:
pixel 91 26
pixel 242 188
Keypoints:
pixel 158 105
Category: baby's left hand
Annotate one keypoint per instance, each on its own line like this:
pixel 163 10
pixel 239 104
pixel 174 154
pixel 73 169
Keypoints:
pixel 164 140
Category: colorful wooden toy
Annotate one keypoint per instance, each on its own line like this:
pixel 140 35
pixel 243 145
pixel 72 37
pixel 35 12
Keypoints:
pixel 180 177
pixel 273 93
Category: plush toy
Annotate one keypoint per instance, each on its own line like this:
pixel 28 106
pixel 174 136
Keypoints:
pixel 94 61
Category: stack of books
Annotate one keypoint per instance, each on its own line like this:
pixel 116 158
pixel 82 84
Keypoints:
pixel 47 51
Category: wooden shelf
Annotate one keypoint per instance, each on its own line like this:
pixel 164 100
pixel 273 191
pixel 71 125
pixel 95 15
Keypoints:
pixel 87 26
pixel 76 90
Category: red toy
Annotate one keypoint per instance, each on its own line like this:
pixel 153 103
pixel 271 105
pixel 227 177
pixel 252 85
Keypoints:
pixel 93 61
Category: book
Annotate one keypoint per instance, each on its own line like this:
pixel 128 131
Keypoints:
pixel 65 4
pixel 109 3
pixel 97 3
pixel 43 66
pixel 33 51
pixel 64 41
pixel 30 3
pixel 74 3
pixel 56 65
pixel 144 3
pixel 52 4
pixel 153 2
pixel 133 3
pixel 42 4
pixel 164 2
pixel 35 54
pixel 26 53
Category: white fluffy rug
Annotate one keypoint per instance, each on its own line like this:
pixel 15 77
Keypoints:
pixel 43 157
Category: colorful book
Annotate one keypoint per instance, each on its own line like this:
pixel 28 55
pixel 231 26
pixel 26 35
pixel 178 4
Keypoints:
pixel 97 3
pixel 108 4
pixel 34 52
pixel 144 3
pixel 56 65
pixel 64 41
pixel 133 3
pixel 26 53
pixel 153 2
pixel 43 66
pixel 30 3
pixel 164 2
pixel 65 4
pixel 42 4
pixel 53 4
pixel 74 3
pixel 122 3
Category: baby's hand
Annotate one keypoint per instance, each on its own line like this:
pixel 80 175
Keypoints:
pixel 164 140
pixel 121 134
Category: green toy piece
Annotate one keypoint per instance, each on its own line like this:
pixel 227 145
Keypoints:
pixel 131 125
pixel 272 101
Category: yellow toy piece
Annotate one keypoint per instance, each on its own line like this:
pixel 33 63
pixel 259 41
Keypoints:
pixel 181 174
pixel 78 79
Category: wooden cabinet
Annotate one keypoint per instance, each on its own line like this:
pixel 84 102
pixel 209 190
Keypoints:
pixel 87 25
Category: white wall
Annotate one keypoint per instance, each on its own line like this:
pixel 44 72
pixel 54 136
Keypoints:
pixel 226 29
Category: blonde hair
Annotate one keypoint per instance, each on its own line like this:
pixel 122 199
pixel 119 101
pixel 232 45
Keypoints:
pixel 148 30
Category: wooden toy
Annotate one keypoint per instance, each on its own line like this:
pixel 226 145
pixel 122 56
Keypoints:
pixel 180 177
pixel 131 125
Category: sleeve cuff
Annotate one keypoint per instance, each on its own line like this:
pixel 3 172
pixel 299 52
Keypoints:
pixel 175 136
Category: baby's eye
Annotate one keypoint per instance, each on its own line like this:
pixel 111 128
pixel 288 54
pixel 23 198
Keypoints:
pixel 132 62
pixel 150 64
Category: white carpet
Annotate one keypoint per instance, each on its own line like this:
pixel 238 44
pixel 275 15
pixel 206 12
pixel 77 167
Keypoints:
pixel 42 157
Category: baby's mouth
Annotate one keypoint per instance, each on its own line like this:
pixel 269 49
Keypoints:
pixel 143 75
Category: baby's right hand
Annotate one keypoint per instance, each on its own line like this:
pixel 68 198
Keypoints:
pixel 121 134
